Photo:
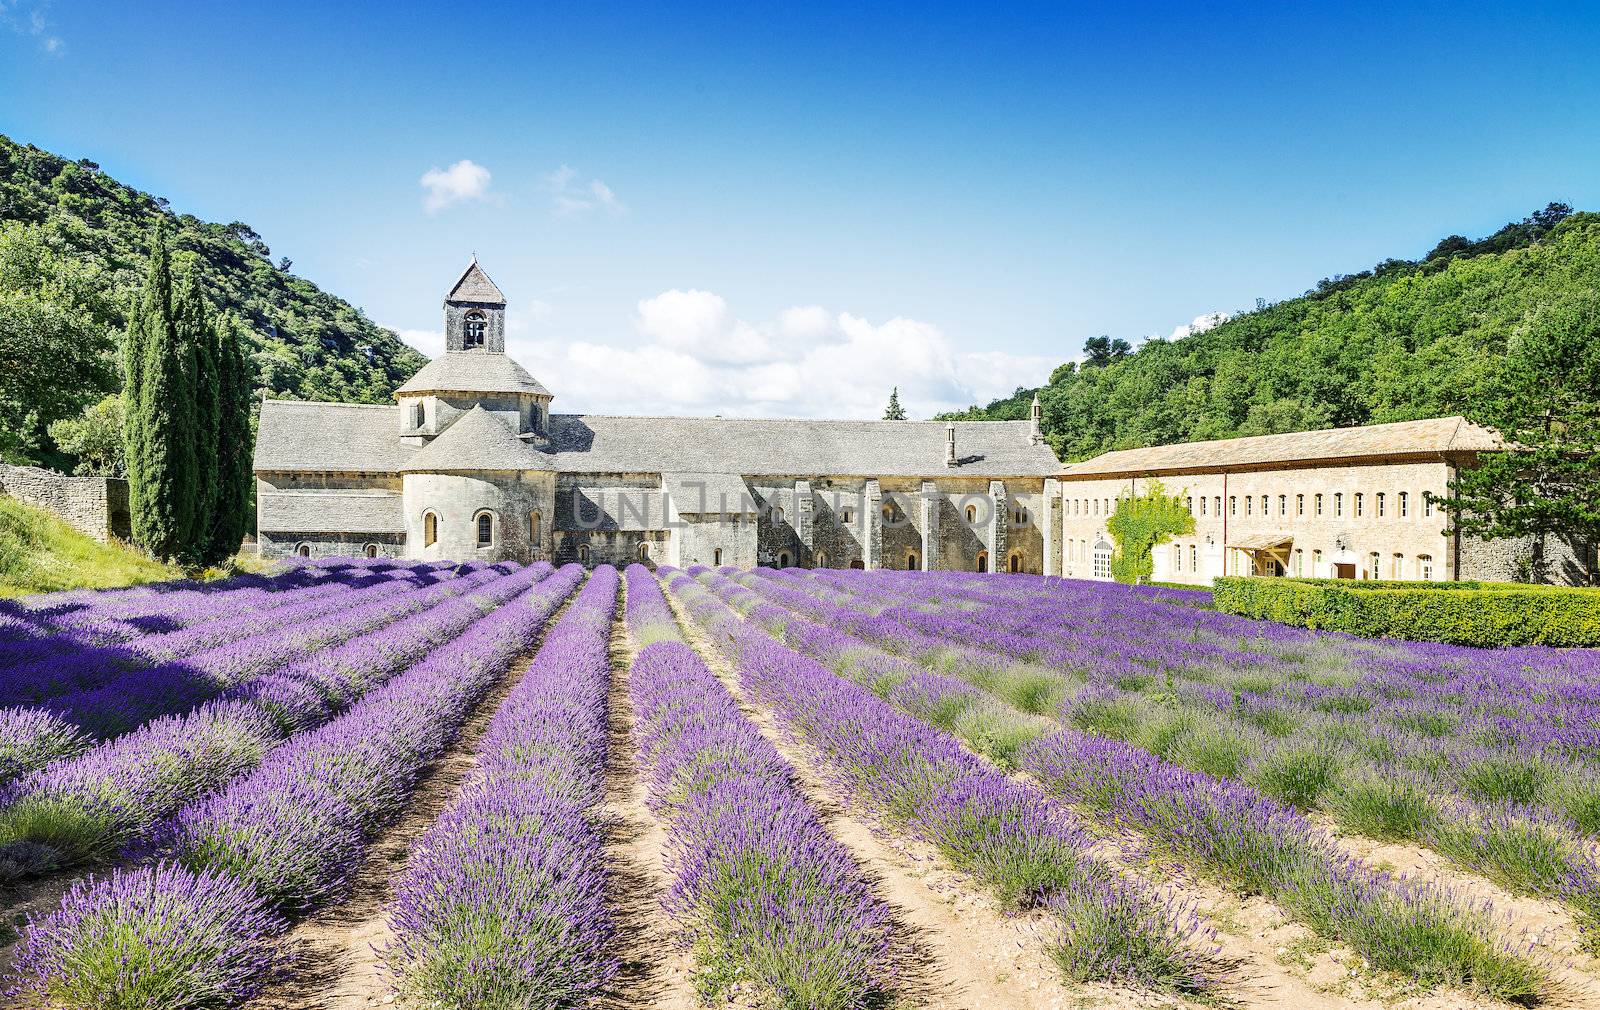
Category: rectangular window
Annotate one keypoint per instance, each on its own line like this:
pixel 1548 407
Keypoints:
pixel 1188 503
pixel 1380 504
pixel 1202 505
pixel 1217 504
pixel 1283 504
pixel 1177 558
pixel 1233 505
pixel 1194 556
pixel 1403 504
pixel 1264 505
pixel 1358 504
pixel 1299 563
pixel 1427 504
pixel 1319 504
pixel 1299 504
pixel 1248 508
pixel 1338 503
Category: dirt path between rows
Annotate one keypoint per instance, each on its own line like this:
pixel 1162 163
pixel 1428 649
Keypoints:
pixel 658 967
pixel 971 953
pixel 334 953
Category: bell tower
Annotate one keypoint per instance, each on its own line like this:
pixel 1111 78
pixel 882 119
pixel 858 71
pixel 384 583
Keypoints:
pixel 474 313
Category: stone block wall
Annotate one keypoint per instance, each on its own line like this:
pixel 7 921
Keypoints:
pixel 1570 563
pixel 94 506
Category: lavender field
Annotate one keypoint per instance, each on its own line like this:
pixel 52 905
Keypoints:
pixel 359 783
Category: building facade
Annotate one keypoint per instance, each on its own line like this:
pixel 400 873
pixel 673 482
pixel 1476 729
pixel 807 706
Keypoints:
pixel 471 463
pixel 1354 503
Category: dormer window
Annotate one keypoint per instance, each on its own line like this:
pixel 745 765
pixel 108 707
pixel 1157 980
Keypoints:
pixel 476 327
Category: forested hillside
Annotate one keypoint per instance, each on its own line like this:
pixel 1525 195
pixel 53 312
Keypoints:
pixel 1407 339
pixel 72 248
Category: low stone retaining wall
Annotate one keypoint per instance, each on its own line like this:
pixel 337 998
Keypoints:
pixel 95 506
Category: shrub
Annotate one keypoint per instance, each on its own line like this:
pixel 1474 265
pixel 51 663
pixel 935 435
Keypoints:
pixel 1485 615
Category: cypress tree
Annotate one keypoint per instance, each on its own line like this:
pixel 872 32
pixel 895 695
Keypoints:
pixel 197 335
pixel 234 464
pixel 164 471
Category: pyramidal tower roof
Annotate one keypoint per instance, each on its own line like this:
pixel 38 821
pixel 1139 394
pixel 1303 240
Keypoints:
pixel 476 441
pixel 475 286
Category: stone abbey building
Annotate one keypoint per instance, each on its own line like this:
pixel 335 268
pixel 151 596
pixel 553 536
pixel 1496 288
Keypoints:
pixel 471 463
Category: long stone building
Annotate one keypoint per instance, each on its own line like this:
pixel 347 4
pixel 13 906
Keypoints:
pixel 471 463
pixel 1353 503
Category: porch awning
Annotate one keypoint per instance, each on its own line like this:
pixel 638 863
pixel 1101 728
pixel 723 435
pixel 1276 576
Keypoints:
pixel 1263 542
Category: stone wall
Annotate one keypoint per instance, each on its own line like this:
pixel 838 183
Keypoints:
pixel 1570 563
pixel 94 506
pixel 288 543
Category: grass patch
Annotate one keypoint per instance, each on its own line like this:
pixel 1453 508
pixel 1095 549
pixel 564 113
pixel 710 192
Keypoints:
pixel 41 554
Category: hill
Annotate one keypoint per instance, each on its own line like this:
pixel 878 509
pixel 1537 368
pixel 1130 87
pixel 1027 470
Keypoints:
pixel 72 244
pixel 39 554
pixel 1406 340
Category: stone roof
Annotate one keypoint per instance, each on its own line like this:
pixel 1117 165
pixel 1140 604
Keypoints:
pixel 1438 436
pixel 477 440
pixel 475 286
pixel 474 371
pixel 319 511
pixel 347 437
pixel 708 494
pixel 300 436
pixel 595 443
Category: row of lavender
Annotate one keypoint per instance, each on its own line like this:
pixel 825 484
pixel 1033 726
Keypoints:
pixel 1230 830
pixel 86 807
pixel 199 926
pixel 57 661
pixel 768 898
pixel 503 903
pixel 124 687
pixel 1006 834
pixel 1525 820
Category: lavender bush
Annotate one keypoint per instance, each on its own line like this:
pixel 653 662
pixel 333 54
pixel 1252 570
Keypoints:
pixel 503 903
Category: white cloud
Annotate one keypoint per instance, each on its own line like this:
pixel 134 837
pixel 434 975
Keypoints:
pixel 698 357
pixel 465 180
pixel 28 19
pixel 429 342
pixel 570 196
pixel 1199 324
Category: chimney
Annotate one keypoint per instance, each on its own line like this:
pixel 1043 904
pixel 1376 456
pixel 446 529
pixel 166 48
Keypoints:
pixel 1036 428
pixel 950 444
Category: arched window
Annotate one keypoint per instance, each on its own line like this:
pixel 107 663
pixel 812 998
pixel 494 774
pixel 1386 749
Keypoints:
pixel 1399 568
pixel 1319 505
pixel 430 529
pixel 1283 504
pixel 1299 562
pixel 1188 503
pixel 1379 503
pixel 777 514
pixel 476 327
pixel 371 550
pixel 1359 497
pixel 485 523
pixel 911 561
pixel 533 528
pixel 1299 504
pixel 583 554
pixel 783 559
pixel 644 550
pixel 1194 557
pixel 1338 503
pixel 822 559
pixel 1403 504
pixel 1102 561
pixel 972 515
pixel 1014 563
pixel 1202 504
pixel 716 558
pixel 983 561
pixel 1233 505
pixel 302 550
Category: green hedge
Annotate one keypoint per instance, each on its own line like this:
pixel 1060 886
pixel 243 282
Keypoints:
pixel 1487 615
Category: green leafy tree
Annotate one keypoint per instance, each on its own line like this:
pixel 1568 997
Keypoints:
pixel 95 439
pixel 1546 404
pixel 1102 351
pixel 197 334
pixel 235 476
pixel 894 412
pixel 1142 523
pixel 159 421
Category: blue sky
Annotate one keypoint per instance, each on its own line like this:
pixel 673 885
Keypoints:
pixel 785 209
